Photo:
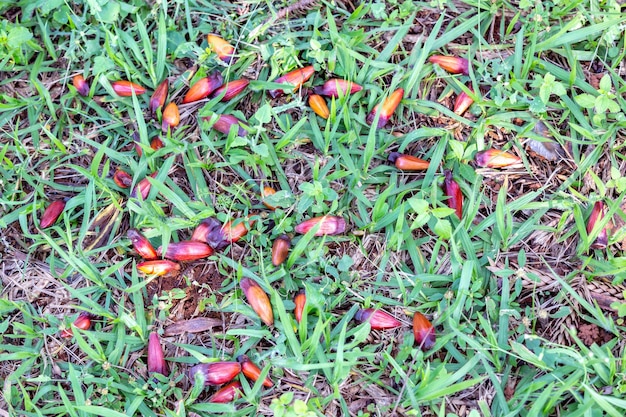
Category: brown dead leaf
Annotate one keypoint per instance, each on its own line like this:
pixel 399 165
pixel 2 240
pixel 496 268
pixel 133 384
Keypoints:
pixel 357 405
pixel 509 389
pixel 547 147
pixel 196 325
pixel 101 227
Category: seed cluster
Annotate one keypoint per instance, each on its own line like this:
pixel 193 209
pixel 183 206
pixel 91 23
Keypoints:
pixel 211 236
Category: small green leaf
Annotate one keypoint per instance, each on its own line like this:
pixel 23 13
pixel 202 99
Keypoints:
pixel 585 100
pixel 443 229
pixel 603 103
pixel 613 106
pixel 615 173
pixel 237 141
pixel 378 10
pixel 261 150
pixel 546 88
pixel 264 114
pixel 442 212
pixel 299 407
pixel 420 220
pixel 315 45
pixel 282 198
pixel 598 118
pixel 561 312
pixel 418 205
pixel 102 64
pixel 544 93
pixel 110 12
pixel 457 148
pixel 345 263
pixel 537 81
pixel 307 188
pixel 605 83
pixel 17 36
pixel 558 89
pixel 620 307
pixel 50 5
pixel 537 106
pixel 94 7
pixel 549 79
pixel 61 14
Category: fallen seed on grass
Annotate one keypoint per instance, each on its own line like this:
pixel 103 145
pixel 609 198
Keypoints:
pixel 597 214
pixel 328 225
pixel 251 371
pixel 216 373
pixel 231 89
pixel 423 331
pixel 225 122
pixel 156 359
pixel 143 188
pixel 452 64
pixel 187 250
pixel 280 249
pixel 52 213
pixel 159 96
pixel 122 178
pixel 387 108
pixel 171 117
pixel 83 322
pixel 125 88
pixel 335 87
pixel 378 319
pixel 221 48
pixel 227 393
pixel 267 191
pixel 203 87
pixel 159 267
pixel 319 106
pixel 156 144
pixel 300 302
pixel 141 245
pixel 258 300
pixel 494 158
pixel 231 232
pixel 408 162
pixel 452 190
pixel 206 226
pixel 463 102
pixel 81 86
pixel 295 78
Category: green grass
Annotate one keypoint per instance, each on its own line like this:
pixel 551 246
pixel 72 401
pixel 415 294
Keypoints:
pixel 513 288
